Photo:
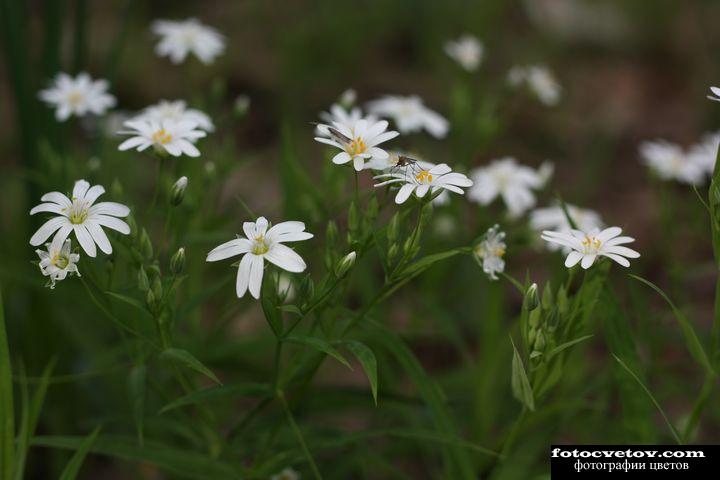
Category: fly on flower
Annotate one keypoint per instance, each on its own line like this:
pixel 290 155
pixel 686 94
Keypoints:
pixel 421 181
pixel 585 247
pixel 359 143
pixel 262 242
pixel 58 261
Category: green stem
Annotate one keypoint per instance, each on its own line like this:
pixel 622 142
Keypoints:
pixel 298 435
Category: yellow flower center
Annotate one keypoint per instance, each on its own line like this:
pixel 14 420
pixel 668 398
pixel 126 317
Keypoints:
pixel 77 212
pixel 59 260
pixel 162 137
pixel 356 147
pixel 591 243
pixel 74 98
pixel 260 247
pixel 424 177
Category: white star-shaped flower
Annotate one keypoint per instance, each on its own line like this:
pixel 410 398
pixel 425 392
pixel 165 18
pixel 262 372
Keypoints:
pixel 410 115
pixel 57 262
pixel 179 38
pixel 511 181
pixel 554 218
pixel 359 143
pixel 585 247
pixel 415 178
pixel 77 96
pixel 261 243
pixel 177 111
pixel 173 137
pixel 467 51
pixel 670 162
pixel 82 216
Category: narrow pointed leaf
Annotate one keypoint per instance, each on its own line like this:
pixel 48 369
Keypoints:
pixel 318 344
pixel 73 467
pixel 185 358
pixel 367 359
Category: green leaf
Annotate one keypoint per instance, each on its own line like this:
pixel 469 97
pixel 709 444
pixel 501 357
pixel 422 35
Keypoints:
pixel 136 388
pixel 565 345
pixel 318 344
pixel 691 340
pixel 7 419
pixel 294 309
pixel 182 463
pixel 520 384
pixel 30 415
pixel 367 359
pixel 230 391
pixel 73 467
pixel 649 394
pixel 133 302
pixel 185 358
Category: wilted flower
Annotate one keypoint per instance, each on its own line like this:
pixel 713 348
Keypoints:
pixel 587 246
pixel 178 38
pixel 670 162
pixel 410 115
pixel 177 111
pixel 175 138
pixel 79 215
pixel 286 474
pixel 358 143
pixel 77 96
pixel 490 251
pixel 262 243
pixel 467 51
pixel 58 261
pixel 513 182
pixel 538 80
pixel 415 178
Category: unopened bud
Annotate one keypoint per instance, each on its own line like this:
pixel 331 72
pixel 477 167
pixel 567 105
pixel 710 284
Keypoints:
pixel 146 247
pixel 157 288
pixel 241 106
pixel 143 282
pixel 345 264
pixel 331 234
pixel 177 262
pixel 531 300
pixel 177 194
pixel 393 252
pixel 393 228
pixel 353 217
pixel 150 300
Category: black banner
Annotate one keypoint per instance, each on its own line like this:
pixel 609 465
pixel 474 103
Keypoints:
pixel 634 461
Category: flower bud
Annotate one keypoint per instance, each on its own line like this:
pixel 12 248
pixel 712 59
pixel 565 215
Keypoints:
pixel 353 217
pixel 177 262
pixel 143 281
pixel 531 300
pixel 331 234
pixel 241 106
pixel 345 264
pixel 177 194
pixel 392 252
pixel 157 288
pixel 146 247
pixel 150 300
pixel 393 229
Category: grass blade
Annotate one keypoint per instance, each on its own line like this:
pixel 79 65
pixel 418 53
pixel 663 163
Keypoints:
pixel 520 384
pixel 674 431
pixel 367 359
pixel 7 413
pixel 73 467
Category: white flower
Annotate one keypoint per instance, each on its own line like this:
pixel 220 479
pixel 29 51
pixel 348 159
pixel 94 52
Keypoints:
pixel 467 51
pixel 587 246
pixel 715 94
pixel 342 115
pixel 58 261
pixel 262 243
pixel 175 138
pixel 704 153
pixel 415 178
pixel 82 216
pixel 513 182
pixel 178 38
pixel 286 474
pixel 348 97
pixel 410 115
pixel 177 111
pixel 670 162
pixel 490 251
pixel 359 142
pixel 77 96
pixel 539 80
pixel 554 218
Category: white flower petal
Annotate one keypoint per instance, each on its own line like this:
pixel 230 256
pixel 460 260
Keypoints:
pixel 285 258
